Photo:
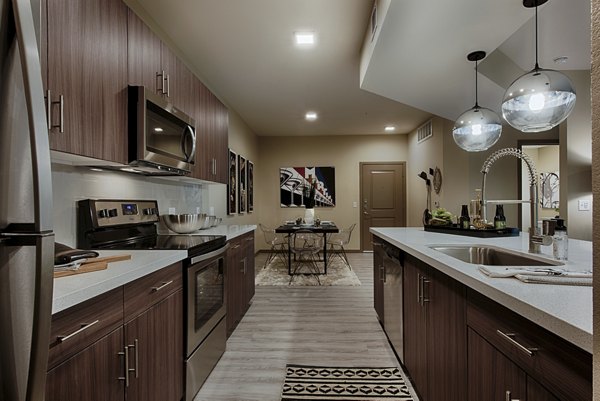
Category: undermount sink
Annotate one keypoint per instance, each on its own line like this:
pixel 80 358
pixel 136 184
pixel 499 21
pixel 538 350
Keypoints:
pixel 491 255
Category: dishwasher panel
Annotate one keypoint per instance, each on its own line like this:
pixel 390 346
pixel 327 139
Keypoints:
pixel 392 298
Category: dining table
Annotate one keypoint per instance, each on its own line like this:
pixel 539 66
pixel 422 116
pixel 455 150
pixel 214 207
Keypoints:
pixel 323 228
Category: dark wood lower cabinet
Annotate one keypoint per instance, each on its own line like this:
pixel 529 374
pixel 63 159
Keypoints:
pixel 92 374
pixel 435 332
pixel 155 344
pixel 491 374
pixel 141 360
pixel 239 278
pixel 460 345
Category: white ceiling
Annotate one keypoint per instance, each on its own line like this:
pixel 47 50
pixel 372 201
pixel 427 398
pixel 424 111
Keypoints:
pixel 244 51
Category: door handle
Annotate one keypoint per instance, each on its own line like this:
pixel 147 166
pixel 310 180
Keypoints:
pixel 382 269
pixel 84 326
pixel 125 354
pixel 510 338
pixel 163 285
pixel 48 99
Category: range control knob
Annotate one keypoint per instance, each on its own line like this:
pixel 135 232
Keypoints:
pixel 112 213
pixel 103 213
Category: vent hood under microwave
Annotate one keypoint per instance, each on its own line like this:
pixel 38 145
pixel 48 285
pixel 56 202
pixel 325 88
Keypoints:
pixel 162 139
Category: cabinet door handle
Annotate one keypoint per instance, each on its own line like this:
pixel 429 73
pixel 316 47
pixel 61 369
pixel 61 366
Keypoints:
pixel 168 85
pixel 84 326
pixel 419 288
pixel 425 281
pixel 162 82
pixel 382 274
pixel 508 396
pixel 125 354
pixel 61 123
pixel 49 109
pixel 243 262
pixel 509 337
pixel 236 246
pixel 160 287
pixel 136 358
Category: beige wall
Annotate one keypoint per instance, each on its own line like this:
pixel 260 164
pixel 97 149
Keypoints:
pixel 595 112
pixel 342 152
pixel 243 141
pixel 576 134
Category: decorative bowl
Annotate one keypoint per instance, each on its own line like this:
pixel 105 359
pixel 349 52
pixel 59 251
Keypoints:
pixel 184 223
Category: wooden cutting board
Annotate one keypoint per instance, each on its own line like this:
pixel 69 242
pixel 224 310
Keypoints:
pixel 92 265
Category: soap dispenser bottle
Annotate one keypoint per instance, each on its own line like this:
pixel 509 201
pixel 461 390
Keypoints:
pixel 560 240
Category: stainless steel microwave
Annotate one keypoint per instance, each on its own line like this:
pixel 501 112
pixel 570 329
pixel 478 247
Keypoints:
pixel 162 139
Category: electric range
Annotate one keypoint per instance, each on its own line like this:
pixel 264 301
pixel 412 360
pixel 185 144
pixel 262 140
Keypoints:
pixel 131 225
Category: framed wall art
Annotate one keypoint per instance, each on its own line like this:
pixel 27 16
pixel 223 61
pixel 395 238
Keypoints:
pixel 250 187
pixel 307 186
pixel 242 198
pixel 232 184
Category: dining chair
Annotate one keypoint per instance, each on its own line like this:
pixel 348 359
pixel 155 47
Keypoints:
pixel 305 246
pixel 278 243
pixel 336 243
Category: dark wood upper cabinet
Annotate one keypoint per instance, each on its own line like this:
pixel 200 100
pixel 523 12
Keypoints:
pixel 143 54
pixel 86 53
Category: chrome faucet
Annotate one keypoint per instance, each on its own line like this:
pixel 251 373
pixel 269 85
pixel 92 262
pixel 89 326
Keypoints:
pixel 535 237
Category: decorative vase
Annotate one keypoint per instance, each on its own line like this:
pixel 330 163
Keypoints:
pixel 309 216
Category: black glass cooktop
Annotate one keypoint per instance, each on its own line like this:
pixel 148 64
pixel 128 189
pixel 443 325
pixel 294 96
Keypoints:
pixel 194 244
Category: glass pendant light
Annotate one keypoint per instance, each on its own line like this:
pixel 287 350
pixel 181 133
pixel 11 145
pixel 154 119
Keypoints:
pixel 540 99
pixel 477 129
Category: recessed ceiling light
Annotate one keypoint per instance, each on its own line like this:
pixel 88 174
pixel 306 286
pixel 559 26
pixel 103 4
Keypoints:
pixel 390 128
pixel 311 116
pixel 305 38
pixel 158 129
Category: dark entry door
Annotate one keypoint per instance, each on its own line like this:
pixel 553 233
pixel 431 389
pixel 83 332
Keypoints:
pixel 383 198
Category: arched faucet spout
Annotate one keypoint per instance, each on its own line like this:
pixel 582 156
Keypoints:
pixel 535 239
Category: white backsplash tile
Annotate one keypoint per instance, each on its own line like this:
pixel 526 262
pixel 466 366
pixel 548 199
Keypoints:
pixel 71 184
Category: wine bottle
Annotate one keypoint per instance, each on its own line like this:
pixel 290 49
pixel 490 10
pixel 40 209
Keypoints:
pixel 499 218
pixel 465 220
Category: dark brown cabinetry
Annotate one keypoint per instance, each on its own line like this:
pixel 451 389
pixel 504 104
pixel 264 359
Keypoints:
pixel 154 65
pixel 140 360
pixel 554 368
pixel 86 66
pixel 435 332
pixel 378 279
pixel 239 279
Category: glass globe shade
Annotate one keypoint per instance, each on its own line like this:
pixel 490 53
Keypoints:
pixel 477 129
pixel 538 100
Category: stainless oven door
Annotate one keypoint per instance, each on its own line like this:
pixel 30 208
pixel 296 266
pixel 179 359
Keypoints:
pixel 205 295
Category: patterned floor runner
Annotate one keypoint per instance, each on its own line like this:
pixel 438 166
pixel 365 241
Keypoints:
pixel 344 383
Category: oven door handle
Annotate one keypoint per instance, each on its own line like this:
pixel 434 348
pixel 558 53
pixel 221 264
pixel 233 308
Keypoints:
pixel 209 255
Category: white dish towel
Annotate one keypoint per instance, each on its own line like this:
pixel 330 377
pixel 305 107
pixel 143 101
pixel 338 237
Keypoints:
pixel 538 275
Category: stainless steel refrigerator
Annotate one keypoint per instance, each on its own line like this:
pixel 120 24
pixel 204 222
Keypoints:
pixel 26 236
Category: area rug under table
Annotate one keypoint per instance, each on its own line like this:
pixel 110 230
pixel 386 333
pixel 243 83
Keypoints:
pixel 276 273
pixel 344 383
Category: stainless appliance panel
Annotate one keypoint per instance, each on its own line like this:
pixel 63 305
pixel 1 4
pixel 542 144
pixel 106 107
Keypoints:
pixel 26 238
pixel 205 297
pixel 392 301
pixel 162 135
pixel 202 361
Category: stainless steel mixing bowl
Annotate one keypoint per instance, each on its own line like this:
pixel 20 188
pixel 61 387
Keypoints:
pixel 184 223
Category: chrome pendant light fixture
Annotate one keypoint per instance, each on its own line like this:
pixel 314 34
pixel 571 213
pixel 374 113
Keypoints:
pixel 477 129
pixel 540 99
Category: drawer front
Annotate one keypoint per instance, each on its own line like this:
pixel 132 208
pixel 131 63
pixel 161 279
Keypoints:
pixel 151 289
pixel 80 326
pixel 560 366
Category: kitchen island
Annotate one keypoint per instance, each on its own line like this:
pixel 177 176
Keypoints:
pixel 464 335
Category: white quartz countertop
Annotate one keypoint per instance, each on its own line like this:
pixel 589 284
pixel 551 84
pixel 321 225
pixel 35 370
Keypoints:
pixel 72 290
pixel 562 309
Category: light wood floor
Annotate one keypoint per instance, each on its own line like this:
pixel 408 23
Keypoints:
pixel 328 326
